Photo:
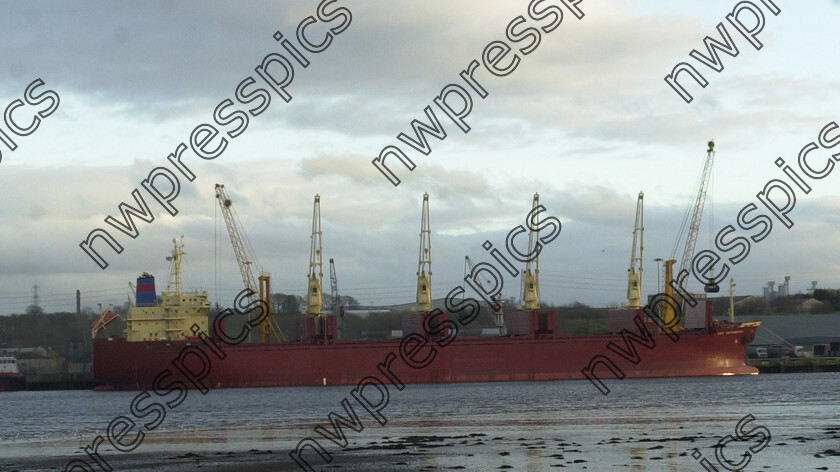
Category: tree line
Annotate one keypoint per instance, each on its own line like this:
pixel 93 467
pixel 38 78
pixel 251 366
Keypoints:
pixel 69 334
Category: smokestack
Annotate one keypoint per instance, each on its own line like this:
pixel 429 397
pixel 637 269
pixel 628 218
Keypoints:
pixel 78 302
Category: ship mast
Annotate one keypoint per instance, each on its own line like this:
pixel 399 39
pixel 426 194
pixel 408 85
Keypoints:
pixel 634 278
pixel 175 271
pixel 424 261
pixel 531 274
pixel 315 298
pixel 731 300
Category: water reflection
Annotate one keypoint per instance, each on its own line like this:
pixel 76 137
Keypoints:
pixel 649 425
pixel 638 455
pixel 534 461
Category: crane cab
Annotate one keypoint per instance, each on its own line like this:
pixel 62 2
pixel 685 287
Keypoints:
pixel 711 287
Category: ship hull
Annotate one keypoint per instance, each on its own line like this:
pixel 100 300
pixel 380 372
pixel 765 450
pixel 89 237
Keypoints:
pixel 126 365
pixel 10 382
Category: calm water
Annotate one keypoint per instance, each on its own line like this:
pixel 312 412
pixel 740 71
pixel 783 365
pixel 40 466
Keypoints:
pixel 641 425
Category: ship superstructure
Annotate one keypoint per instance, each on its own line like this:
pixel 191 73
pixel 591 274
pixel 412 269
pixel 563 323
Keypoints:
pixel 170 317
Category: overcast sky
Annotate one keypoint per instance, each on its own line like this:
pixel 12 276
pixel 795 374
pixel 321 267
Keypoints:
pixel 586 120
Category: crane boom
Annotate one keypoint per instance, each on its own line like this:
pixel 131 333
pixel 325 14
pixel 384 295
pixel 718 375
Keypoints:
pixel 498 316
pixel 697 213
pixel 531 275
pixel 424 264
pixel 634 278
pixel 336 306
pixel 236 240
pixel 315 297
pixel 268 328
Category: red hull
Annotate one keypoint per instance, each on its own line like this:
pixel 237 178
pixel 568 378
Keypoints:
pixel 135 365
pixel 11 382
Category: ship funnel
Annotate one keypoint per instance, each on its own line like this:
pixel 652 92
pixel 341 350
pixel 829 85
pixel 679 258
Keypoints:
pixel 146 295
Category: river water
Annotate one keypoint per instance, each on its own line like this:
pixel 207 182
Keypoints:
pixel 642 425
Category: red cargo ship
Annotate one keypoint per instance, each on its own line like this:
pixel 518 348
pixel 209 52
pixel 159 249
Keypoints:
pixel 718 351
pixel 528 348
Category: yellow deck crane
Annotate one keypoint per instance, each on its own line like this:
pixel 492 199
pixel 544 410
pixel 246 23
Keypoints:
pixel 424 264
pixel 668 313
pixel 314 293
pixel 634 277
pixel 269 330
pixel 531 274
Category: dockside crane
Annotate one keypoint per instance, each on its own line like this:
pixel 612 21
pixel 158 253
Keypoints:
pixel 314 293
pixel 696 217
pixel 498 315
pixel 634 277
pixel 424 264
pixel 336 307
pixel 269 329
pixel 105 318
pixel 531 274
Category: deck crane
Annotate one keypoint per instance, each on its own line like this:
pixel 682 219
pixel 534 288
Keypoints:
pixel 314 294
pixel 696 217
pixel 268 328
pixel 337 307
pixel 498 316
pixel 634 278
pixel 424 264
pixel 531 274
